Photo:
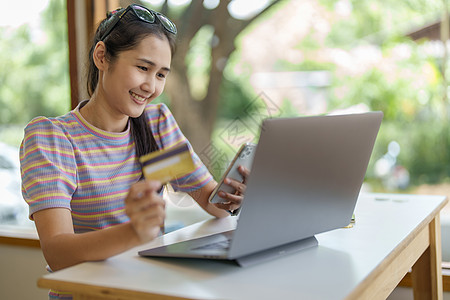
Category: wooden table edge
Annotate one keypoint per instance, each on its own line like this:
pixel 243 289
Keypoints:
pixel 378 275
pixel 88 291
pixel 419 238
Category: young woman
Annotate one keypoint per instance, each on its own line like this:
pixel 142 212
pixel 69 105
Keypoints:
pixel 80 172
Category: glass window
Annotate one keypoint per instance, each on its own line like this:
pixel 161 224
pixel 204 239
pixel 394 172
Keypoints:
pixel 34 81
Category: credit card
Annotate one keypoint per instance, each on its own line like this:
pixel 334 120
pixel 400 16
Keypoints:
pixel 168 164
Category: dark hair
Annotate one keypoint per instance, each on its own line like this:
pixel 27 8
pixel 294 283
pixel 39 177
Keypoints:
pixel 126 35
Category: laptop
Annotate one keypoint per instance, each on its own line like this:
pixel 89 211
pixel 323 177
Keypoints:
pixel 305 179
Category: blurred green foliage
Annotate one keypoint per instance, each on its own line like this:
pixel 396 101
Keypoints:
pixel 408 88
pixel 406 84
pixel 34 77
pixel 198 61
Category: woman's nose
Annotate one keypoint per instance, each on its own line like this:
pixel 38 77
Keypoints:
pixel 149 86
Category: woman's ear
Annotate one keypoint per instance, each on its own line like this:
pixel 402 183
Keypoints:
pixel 99 56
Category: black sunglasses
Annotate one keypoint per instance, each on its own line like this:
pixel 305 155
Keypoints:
pixel 144 14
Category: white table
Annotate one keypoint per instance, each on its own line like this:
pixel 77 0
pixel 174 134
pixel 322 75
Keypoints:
pixel 392 233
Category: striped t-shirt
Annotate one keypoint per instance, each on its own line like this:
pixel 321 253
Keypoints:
pixel 68 163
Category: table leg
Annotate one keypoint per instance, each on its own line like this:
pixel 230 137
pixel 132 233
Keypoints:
pixel 427 273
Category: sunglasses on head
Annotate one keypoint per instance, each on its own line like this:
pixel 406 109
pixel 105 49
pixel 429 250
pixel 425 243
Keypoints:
pixel 144 14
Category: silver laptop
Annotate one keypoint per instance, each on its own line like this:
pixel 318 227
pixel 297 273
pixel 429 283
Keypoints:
pixel 305 179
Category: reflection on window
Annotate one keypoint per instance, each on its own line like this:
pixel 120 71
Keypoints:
pixel 34 81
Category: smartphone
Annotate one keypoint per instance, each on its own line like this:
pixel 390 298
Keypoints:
pixel 244 157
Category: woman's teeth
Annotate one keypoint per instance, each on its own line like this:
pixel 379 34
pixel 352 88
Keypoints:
pixel 136 96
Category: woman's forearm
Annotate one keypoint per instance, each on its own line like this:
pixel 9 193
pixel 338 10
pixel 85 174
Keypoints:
pixel 63 248
pixel 68 249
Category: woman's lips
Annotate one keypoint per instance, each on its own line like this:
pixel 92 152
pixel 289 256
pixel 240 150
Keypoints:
pixel 138 98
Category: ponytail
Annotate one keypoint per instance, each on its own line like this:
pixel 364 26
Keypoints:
pixel 142 136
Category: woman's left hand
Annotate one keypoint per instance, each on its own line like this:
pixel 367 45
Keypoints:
pixel 233 201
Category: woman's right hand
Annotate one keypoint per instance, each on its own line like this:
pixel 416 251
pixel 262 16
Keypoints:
pixel 146 209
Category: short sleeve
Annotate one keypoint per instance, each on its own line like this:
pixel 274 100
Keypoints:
pixel 48 167
pixel 167 134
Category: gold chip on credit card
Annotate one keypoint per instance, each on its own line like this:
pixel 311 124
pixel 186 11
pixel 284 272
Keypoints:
pixel 168 164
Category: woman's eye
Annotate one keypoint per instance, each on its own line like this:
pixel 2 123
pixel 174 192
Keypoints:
pixel 160 75
pixel 143 68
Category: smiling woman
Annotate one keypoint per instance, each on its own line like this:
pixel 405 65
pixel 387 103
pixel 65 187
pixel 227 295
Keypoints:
pixel 80 171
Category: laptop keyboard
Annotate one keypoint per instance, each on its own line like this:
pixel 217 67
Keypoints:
pixel 222 245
